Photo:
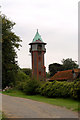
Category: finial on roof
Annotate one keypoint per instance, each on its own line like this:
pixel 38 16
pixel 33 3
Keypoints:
pixel 37 37
pixel 37 30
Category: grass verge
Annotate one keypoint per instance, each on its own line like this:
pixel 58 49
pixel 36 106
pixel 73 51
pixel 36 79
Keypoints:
pixel 0 91
pixel 3 117
pixel 0 115
pixel 68 103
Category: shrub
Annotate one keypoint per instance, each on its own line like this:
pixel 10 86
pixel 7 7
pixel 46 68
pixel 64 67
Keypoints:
pixel 21 80
pixel 76 91
pixel 27 71
pixel 65 89
pixel 31 87
pixel 61 89
pixel 43 87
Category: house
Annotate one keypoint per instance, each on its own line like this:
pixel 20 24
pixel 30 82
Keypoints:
pixel 67 75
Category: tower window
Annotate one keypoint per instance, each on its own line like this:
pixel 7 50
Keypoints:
pixel 39 47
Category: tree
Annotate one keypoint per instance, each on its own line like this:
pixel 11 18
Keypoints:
pixel 53 68
pixel 21 80
pixel 10 41
pixel 27 71
pixel 47 75
pixel 69 64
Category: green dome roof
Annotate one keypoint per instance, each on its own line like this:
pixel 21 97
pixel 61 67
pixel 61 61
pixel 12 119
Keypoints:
pixel 37 37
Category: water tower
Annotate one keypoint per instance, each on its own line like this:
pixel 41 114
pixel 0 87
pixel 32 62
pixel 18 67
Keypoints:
pixel 37 50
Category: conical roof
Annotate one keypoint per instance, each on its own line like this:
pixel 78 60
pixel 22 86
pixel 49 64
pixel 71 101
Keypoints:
pixel 37 37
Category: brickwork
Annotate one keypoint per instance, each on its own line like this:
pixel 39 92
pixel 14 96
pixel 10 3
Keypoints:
pixel 37 52
pixel 38 65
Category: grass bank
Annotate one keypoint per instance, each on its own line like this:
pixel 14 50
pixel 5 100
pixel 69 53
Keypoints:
pixel 4 117
pixel 0 91
pixel 0 115
pixel 68 103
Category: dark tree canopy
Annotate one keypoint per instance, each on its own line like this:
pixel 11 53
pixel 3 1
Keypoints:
pixel 10 41
pixel 53 68
pixel 27 71
pixel 67 64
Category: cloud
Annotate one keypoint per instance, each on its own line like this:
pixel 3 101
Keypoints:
pixel 57 24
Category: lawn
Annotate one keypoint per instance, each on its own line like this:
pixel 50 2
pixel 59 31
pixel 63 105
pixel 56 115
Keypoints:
pixel 68 103
pixel 0 115
pixel 0 91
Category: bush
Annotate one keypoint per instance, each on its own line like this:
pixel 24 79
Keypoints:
pixel 76 91
pixel 27 71
pixel 31 87
pixel 21 80
pixel 48 89
pixel 61 89
pixel 43 88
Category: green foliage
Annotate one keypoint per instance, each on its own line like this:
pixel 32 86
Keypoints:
pixel 21 76
pixel 32 87
pixel 53 68
pixel 66 65
pixel 26 84
pixel 27 71
pixel 9 42
pixel 0 115
pixel 76 90
pixel 61 89
pixel 21 80
pixel 69 64
pixel 47 75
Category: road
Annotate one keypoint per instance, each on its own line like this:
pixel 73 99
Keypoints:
pixel 15 107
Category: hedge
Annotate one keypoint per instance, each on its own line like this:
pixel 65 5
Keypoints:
pixel 61 89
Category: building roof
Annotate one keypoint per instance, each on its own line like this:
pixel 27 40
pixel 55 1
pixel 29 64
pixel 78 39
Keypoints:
pixel 65 75
pixel 37 37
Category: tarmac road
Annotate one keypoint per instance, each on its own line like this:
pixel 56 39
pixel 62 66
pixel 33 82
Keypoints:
pixel 15 107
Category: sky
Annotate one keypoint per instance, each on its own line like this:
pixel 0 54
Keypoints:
pixel 56 21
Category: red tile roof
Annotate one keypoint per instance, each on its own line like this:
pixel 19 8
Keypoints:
pixel 65 75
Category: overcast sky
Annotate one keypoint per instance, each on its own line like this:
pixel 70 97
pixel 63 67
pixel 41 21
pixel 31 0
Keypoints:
pixel 57 22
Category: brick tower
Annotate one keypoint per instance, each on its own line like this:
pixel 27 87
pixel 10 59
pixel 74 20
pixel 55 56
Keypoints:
pixel 37 50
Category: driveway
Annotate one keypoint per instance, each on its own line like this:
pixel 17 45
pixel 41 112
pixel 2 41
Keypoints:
pixel 15 107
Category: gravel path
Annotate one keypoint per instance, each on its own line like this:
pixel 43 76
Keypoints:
pixel 15 107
